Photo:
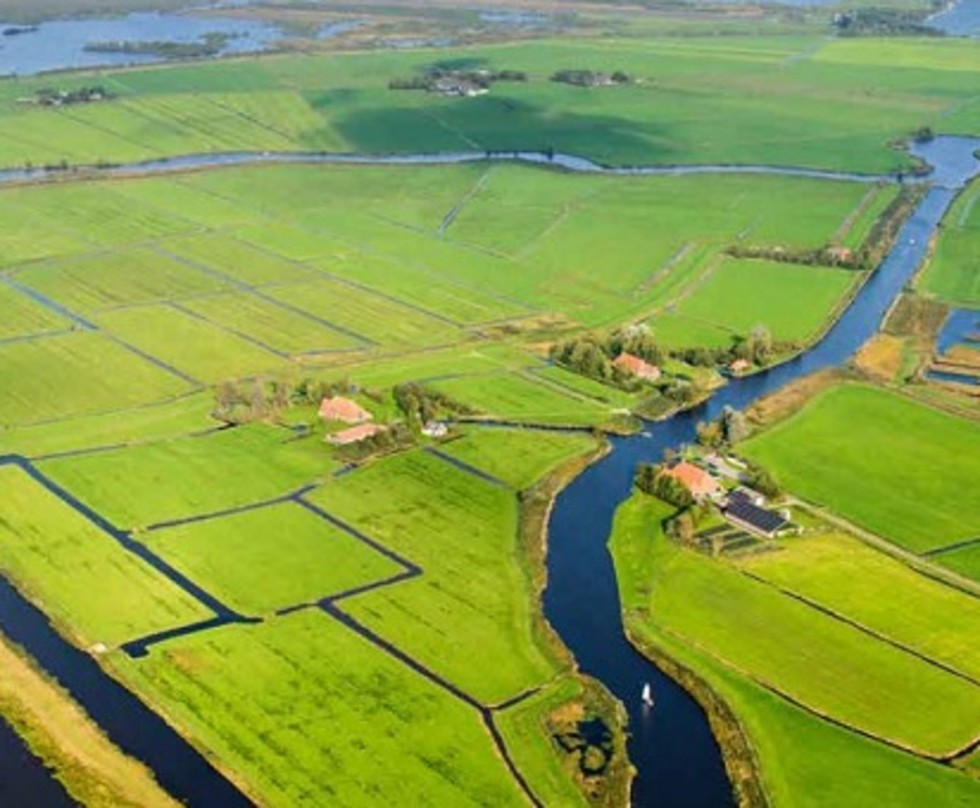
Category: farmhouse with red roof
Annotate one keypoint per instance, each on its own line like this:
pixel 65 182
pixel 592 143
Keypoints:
pixel 628 363
pixel 696 480
pixel 343 409
pixel 354 434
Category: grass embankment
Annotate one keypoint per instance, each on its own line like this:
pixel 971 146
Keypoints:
pixel 744 640
pixel 92 769
pixel 891 465
pixel 951 272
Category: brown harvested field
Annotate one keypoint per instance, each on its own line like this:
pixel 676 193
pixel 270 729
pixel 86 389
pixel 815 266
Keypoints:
pixel 962 358
pixel 94 771
pixel 881 357
pixel 916 316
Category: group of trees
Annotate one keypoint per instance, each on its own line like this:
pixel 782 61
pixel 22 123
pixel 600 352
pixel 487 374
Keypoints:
pixel 392 439
pixel 651 479
pixel 878 21
pixel 590 78
pixel 50 97
pixel 422 404
pixel 592 355
pixel 730 428
pixel 481 78
pixel 242 402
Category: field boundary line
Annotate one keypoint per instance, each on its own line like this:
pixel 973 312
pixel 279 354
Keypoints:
pixel 841 618
pixel 951 548
pixel 450 217
pixel 466 468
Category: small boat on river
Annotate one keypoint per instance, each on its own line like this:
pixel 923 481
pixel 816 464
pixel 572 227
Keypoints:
pixel 647 695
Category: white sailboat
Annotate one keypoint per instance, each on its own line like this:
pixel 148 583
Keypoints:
pixel 648 695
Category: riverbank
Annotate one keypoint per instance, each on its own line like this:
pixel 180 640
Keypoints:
pixel 93 770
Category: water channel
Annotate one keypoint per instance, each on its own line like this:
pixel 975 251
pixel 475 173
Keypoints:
pixel 678 761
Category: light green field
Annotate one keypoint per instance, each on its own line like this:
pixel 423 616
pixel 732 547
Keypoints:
pixel 843 575
pixel 235 259
pixel 76 374
pixel 195 347
pixel 279 328
pixel 952 272
pixel 890 465
pixel 285 702
pixel 576 383
pixel 23 317
pixel 142 485
pixel 171 419
pixel 517 457
pixel 474 598
pixel 785 646
pixel 122 278
pixel 520 399
pixel 267 559
pixel 792 301
pixel 739 99
pixel 93 588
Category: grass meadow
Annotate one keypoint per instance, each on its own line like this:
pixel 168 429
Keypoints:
pixel 162 481
pixel 284 702
pixel 890 465
pixel 747 640
pixel 271 558
pixel 474 598
pixel 86 582
pixel 695 99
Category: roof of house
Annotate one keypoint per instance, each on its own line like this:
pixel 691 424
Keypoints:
pixel 762 519
pixel 343 409
pixel 633 364
pixel 354 434
pixel 695 479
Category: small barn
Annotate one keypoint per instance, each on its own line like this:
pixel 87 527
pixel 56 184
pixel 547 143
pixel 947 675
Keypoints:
pixel 741 509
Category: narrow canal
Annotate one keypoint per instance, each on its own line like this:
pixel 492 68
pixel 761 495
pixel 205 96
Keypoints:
pixel 678 761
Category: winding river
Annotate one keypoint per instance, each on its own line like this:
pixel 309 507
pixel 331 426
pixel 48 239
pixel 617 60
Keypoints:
pixel 678 760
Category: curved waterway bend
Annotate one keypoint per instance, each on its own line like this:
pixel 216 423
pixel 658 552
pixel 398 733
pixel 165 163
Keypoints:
pixel 678 761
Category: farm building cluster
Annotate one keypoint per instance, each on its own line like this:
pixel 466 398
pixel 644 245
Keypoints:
pixel 746 517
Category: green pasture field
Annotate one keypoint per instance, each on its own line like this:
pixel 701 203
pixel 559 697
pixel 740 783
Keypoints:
pixel 518 457
pixel 474 599
pixel 697 99
pixel 366 314
pixel 792 301
pixel 279 328
pixel 965 561
pixel 76 374
pixel 811 763
pixel 520 399
pixel 124 278
pixel 179 417
pixel 846 576
pixel 195 347
pixel 24 317
pixel 887 463
pixel 585 386
pixel 526 734
pixel 270 558
pixel 784 645
pixel 287 702
pixel 951 274
pixel 88 584
pixel 141 485
pixel 237 260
